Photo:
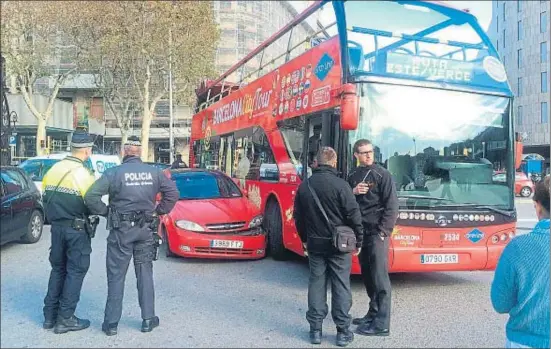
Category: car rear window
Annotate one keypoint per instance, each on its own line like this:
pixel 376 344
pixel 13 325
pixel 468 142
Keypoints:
pixel 204 185
pixel 36 169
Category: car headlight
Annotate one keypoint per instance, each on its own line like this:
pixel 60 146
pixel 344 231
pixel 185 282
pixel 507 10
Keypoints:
pixel 188 225
pixel 256 222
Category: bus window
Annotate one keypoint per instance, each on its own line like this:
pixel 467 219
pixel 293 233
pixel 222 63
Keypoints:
pixel 263 165
pixel 292 131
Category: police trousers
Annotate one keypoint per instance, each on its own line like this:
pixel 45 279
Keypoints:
pixel 70 259
pixel 333 268
pixel 374 265
pixel 123 244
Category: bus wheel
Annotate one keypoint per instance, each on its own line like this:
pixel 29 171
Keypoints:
pixel 273 226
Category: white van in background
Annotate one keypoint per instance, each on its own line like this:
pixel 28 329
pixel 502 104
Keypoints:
pixel 37 167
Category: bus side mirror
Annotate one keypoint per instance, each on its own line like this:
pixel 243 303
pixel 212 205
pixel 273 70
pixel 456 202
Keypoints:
pixel 349 107
pixel 518 154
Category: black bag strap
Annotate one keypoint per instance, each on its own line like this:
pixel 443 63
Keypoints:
pixel 318 203
pixel 55 190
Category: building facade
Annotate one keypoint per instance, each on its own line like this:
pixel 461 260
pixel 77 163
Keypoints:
pixel 520 31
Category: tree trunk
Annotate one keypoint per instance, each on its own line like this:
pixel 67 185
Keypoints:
pixel 124 139
pixel 40 135
pixel 146 124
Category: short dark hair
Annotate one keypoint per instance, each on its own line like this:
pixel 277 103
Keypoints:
pixel 326 155
pixel 360 143
pixel 541 194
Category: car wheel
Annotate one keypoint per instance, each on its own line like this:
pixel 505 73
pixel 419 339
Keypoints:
pixel 34 228
pixel 168 252
pixel 274 228
pixel 526 192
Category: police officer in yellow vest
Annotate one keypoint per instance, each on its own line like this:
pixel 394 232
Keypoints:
pixel 65 185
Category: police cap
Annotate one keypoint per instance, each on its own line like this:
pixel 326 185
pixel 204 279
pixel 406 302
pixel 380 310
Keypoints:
pixel 133 141
pixel 81 139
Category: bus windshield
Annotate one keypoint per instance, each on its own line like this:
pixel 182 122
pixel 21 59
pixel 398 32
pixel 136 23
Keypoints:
pixel 442 147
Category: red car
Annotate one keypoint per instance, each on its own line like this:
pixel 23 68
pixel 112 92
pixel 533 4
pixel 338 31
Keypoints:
pixel 523 185
pixel 213 218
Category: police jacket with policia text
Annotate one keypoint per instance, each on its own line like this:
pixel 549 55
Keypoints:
pixel 337 200
pixel 132 187
pixel 379 206
pixel 67 203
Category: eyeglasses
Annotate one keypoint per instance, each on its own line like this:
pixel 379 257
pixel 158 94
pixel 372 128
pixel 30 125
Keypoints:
pixel 365 152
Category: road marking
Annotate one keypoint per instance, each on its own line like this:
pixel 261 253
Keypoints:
pixel 524 201
pixel 527 220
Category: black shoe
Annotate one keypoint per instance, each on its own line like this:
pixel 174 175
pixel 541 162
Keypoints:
pixel 344 338
pixel 48 324
pixel 109 329
pixel 362 320
pixel 372 330
pixel 149 324
pixel 70 324
pixel 315 336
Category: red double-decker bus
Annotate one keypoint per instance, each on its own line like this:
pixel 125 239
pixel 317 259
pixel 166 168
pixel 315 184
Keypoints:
pixel 420 79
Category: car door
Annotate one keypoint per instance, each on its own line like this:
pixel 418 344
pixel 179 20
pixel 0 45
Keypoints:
pixel 5 215
pixel 14 187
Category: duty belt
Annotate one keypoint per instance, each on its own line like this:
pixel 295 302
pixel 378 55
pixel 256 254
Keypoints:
pixel 133 217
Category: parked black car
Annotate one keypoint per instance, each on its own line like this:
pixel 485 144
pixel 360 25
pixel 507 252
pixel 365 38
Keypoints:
pixel 22 212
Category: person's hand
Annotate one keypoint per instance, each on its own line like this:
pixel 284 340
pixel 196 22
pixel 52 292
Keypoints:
pixel 358 251
pixel 360 189
pixel 305 248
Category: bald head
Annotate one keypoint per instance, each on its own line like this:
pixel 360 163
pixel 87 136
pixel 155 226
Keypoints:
pixel 327 156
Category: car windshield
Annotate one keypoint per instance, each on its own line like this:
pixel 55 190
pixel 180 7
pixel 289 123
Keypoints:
pixel 205 185
pixel 36 169
pixel 442 147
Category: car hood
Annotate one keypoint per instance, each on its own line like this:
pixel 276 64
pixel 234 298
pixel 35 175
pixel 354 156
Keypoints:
pixel 215 211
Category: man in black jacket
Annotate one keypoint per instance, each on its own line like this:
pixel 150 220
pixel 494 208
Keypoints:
pixel 325 261
pixel 378 202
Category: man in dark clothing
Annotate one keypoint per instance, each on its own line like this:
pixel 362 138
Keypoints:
pixel 65 185
pixel 326 263
pixel 132 219
pixel 178 163
pixel 376 195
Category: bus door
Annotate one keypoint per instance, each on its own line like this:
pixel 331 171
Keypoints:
pixel 322 130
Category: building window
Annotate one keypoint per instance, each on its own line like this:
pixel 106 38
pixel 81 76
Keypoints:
pixel 519 6
pixel 503 38
pixel 544 82
pixel 225 5
pixel 543 22
pixel 519 115
pixel 519 58
pixel 544 113
pixel 519 29
pixel 543 52
pixel 519 87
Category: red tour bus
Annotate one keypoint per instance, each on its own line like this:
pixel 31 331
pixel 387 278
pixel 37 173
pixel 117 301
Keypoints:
pixel 421 80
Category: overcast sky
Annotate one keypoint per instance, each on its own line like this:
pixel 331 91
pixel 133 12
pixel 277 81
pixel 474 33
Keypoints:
pixel 481 9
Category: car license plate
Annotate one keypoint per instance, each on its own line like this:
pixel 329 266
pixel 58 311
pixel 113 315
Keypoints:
pixel 439 259
pixel 226 243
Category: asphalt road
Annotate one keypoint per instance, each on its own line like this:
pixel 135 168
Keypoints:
pixel 245 304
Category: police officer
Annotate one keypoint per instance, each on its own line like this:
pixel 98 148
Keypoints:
pixel 376 196
pixel 132 188
pixel 65 185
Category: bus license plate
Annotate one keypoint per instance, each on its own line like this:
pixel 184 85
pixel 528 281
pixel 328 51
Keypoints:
pixel 226 243
pixel 439 259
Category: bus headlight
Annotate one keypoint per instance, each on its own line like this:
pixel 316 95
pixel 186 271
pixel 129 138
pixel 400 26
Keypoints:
pixel 188 225
pixel 256 222
pixel 504 236
pixel 495 239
